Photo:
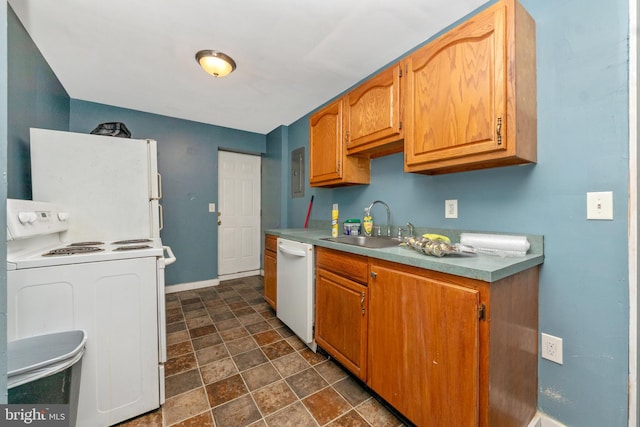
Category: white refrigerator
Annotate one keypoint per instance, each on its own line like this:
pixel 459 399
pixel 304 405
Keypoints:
pixel 110 185
pixel 111 189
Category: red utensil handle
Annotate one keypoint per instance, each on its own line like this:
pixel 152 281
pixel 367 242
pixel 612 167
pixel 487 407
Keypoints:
pixel 306 221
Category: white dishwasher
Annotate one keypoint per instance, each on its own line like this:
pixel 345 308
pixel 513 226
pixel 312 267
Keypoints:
pixel 296 288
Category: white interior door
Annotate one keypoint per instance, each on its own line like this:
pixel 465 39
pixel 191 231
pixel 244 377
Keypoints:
pixel 238 213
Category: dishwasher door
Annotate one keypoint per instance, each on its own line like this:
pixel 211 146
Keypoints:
pixel 296 288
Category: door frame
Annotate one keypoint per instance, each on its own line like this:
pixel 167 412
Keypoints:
pixel 258 230
pixel 633 256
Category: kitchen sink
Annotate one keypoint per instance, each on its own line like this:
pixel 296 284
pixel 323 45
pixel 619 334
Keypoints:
pixel 366 241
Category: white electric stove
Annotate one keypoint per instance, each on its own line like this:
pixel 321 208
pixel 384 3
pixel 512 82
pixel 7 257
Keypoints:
pixel 113 290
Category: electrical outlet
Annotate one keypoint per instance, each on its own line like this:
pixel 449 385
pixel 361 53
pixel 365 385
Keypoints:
pixel 552 348
pixel 451 209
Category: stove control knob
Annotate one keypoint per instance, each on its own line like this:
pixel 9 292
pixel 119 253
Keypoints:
pixel 63 216
pixel 27 217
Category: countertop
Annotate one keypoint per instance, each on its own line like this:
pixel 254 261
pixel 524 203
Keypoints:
pixel 488 268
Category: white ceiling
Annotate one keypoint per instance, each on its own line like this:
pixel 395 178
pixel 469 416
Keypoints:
pixel 291 55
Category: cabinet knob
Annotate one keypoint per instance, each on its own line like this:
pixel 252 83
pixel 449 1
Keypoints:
pixel 374 274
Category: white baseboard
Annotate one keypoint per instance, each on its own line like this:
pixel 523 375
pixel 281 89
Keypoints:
pixel 190 286
pixel 238 275
pixel 206 283
pixel 543 420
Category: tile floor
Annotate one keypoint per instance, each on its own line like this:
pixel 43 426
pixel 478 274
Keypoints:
pixel 232 363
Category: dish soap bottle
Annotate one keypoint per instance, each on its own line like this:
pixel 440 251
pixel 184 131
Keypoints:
pixel 334 220
pixel 367 222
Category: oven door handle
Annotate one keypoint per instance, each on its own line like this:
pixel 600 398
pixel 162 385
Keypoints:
pixel 172 257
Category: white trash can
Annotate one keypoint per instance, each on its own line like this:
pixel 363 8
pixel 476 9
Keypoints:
pixel 45 369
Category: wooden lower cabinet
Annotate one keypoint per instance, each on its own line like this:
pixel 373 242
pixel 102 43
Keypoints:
pixel 343 329
pixel 342 308
pixel 270 270
pixel 424 346
pixel 443 350
pixel 451 351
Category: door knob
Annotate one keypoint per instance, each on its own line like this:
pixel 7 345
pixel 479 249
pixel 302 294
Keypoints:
pixel 219 222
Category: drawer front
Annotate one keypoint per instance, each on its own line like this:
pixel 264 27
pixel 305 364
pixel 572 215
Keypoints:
pixel 351 266
pixel 270 243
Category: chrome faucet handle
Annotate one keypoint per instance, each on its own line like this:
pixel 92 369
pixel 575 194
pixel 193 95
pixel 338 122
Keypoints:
pixel 400 231
pixel 412 229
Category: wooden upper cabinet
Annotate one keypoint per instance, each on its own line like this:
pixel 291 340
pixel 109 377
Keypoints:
pixel 374 116
pixel 471 95
pixel 329 164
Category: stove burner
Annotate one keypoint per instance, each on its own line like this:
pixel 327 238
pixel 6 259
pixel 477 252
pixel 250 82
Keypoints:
pixel 86 244
pixel 128 242
pixel 73 250
pixel 132 248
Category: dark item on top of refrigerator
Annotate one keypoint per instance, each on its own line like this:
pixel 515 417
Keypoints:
pixel 112 129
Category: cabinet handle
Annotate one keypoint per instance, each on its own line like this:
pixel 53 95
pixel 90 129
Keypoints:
pixel 362 303
pixel 498 129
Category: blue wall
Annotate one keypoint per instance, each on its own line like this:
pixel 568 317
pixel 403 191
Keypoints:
pixel 582 65
pixel 273 179
pixel 187 152
pixel 188 162
pixel 35 98
pixel 582 146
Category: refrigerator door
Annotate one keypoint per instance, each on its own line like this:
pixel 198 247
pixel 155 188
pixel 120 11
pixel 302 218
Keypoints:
pixel 105 182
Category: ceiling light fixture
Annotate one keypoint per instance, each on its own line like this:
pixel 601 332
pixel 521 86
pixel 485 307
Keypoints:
pixel 215 63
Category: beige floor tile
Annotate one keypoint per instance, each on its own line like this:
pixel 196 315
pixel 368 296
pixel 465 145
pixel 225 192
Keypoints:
pixel 185 406
pixel 233 363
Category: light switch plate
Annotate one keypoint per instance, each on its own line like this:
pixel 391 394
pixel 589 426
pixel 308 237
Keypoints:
pixel 600 205
pixel 212 207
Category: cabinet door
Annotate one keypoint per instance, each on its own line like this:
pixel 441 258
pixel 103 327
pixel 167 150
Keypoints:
pixel 456 94
pixel 329 164
pixel 270 278
pixel 424 346
pixel 341 320
pixel 326 144
pixel 373 112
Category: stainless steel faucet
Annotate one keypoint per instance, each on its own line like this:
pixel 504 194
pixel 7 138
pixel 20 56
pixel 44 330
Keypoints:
pixel 388 214
pixel 412 231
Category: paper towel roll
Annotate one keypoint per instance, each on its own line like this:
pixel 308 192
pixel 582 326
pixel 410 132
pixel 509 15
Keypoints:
pixel 498 244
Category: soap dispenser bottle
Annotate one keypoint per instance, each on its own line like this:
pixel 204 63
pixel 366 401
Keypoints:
pixel 334 220
pixel 367 222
